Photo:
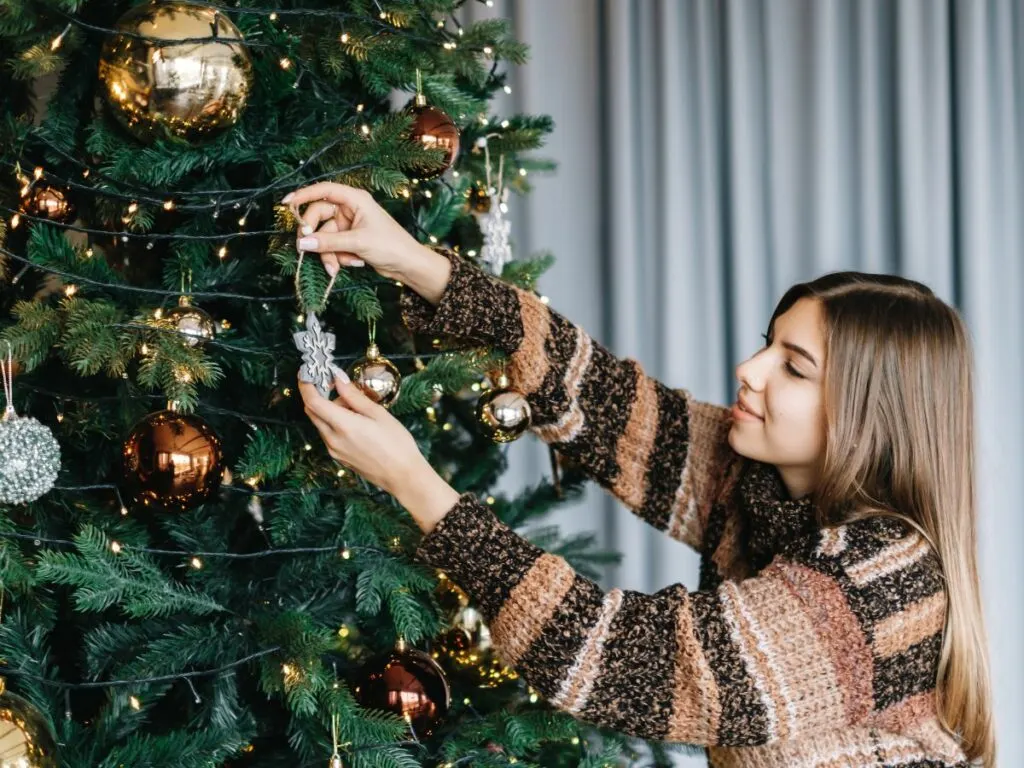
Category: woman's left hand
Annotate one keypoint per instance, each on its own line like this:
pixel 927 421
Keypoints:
pixel 363 436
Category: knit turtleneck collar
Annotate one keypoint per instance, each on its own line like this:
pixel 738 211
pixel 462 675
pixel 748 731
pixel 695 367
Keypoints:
pixel 774 520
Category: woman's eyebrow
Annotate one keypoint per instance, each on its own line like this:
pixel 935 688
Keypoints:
pixel 800 351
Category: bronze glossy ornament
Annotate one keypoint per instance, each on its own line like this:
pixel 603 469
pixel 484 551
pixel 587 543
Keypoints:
pixel 377 376
pixel 26 740
pixel 156 85
pixel 502 413
pixel 50 202
pixel 468 651
pixel 172 461
pixel 408 683
pixel 434 130
pixel 195 325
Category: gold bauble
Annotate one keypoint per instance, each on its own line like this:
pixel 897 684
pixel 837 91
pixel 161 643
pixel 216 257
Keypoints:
pixel 479 199
pixel 172 461
pixel 502 413
pixel 192 91
pixel 195 325
pixel 46 201
pixel 26 740
pixel 377 376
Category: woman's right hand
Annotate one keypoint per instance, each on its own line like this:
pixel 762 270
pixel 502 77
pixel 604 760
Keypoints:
pixel 347 227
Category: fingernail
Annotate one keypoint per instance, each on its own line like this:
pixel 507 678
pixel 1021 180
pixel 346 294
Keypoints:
pixel 332 269
pixel 307 229
pixel 308 244
pixel 357 263
pixel 287 197
pixel 342 376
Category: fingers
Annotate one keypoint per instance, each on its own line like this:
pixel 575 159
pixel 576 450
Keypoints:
pixel 315 213
pixel 331 414
pixel 354 398
pixel 341 194
pixel 351 241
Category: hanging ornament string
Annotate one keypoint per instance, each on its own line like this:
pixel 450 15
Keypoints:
pixel 7 373
pixel 335 756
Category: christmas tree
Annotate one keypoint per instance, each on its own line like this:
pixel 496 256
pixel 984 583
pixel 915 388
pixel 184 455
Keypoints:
pixel 188 578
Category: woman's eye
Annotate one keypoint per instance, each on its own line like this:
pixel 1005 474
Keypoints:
pixel 794 372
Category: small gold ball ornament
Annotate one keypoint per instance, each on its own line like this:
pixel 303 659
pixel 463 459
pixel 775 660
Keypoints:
pixel 195 325
pixel 156 85
pixel 50 202
pixel 377 376
pixel 479 199
pixel 502 413
pixel 27 739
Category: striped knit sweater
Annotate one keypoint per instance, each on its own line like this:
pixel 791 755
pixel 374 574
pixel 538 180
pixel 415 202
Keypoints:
pixel 804 646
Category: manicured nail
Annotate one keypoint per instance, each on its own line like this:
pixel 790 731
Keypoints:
pixel 308 244
pixel 307 229
pixel 287 197
pixel 331 268
pixel 342 376
pixel 357 263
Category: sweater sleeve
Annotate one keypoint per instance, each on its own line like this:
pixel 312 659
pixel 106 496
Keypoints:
pixel 817 641
pixel 658 450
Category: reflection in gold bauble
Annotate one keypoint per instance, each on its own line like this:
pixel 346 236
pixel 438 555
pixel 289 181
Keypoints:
pixel 26 740
pixel 502 413
pixel 377 376
pixel 190 90
pixel 408 683
pixel 172 461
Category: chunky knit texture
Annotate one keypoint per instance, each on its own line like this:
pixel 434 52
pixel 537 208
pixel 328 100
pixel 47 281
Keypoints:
pixel 806 645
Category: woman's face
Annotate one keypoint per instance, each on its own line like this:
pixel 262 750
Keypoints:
pixel 779 416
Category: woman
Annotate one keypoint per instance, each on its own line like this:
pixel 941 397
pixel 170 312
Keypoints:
pixel 838 621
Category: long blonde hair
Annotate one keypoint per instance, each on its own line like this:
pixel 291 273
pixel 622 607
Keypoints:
pixel 900 442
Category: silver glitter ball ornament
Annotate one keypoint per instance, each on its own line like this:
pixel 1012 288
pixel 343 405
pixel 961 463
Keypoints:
pixel 29 459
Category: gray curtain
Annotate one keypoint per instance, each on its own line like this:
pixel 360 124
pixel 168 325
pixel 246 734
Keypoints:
pixel 711 153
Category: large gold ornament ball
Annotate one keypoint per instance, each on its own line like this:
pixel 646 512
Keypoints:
pixel 156 84
pixel 46 201
pixel 26 740
pixel 503 414
pixel 195 325
pixel 172 461
pixel 408 683
pixel 435 130
pixel 377 376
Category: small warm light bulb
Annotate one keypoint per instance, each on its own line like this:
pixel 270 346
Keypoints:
pixel 507 89
pixel 344 631
pixel 300 319
pixel 341 473
pixel 241 222
pixel 433 239
pixel 405 192
pixel 475 386
pixel 346 554
pixel 504 123
pixel 447 427
pixel 158 313
pixel 366 129
pixel 134 701
pixel 490 500
pixel 344 37
pixel 133 208
pixel 273 17
pixel 70 290
pixel 24 191
pixel 89 252
pixel 286 392
pixel 168 205
pixel 124 511
pixel 115 547
pixel 360 107
pixel 575 739
pixel 533 700
pixel 461 31
pixel 307 447
pixel 15 221
pixel 144 349
pixel 85 174
pixel 285 63
pixel 38 173
pixel 545 300
pixel 466 701
pixel 223 252
pixel 488 50
pixel 60 418
pixel 427 194
pixel 196 563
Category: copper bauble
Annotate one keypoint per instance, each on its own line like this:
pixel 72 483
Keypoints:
pixel 502 413
pixel 172 461
pixel 434 130
pixel 156 86
pixel 377 376
pixel 26 740
pixel 408 683
pixel 195 325
pixel 46 201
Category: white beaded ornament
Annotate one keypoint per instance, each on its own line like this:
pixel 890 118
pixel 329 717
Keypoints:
pixel 29 453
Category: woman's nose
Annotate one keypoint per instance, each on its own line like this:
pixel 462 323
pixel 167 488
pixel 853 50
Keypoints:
pixel 749 375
